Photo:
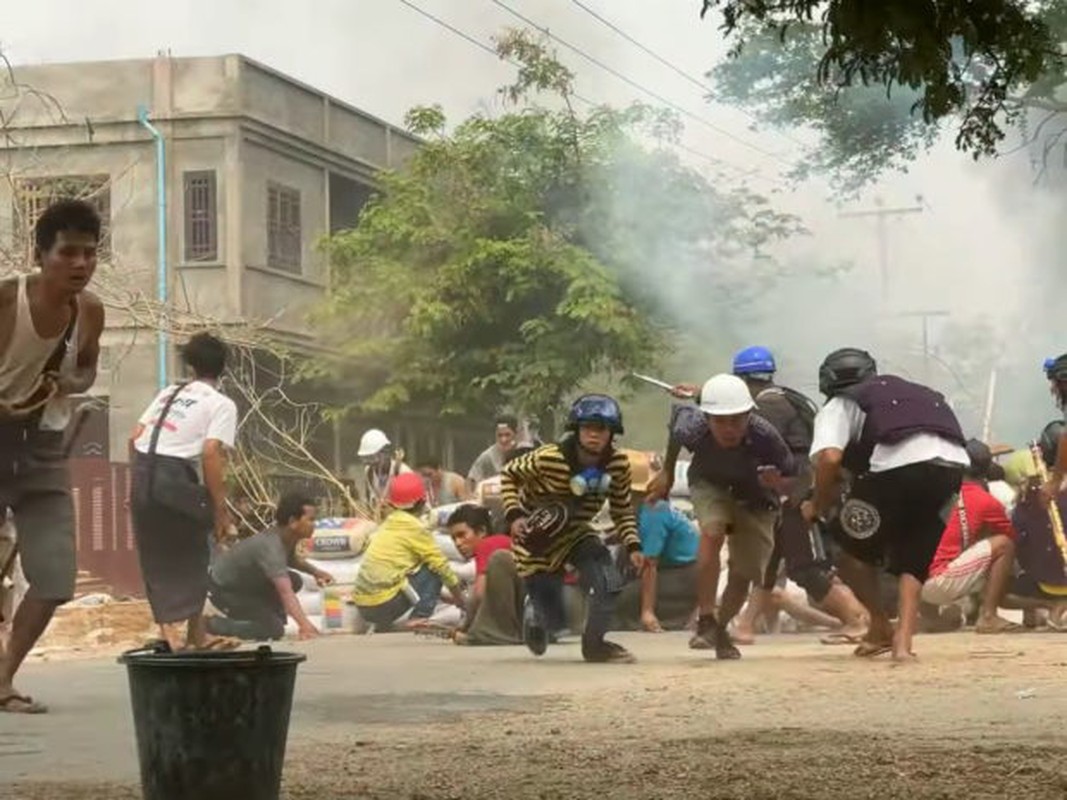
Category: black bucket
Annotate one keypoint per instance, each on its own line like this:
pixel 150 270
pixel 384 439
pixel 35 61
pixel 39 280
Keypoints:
pixel 211 725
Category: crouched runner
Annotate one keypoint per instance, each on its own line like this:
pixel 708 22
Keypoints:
pixel 550 496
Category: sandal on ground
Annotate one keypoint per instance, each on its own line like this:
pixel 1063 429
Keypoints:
pixel 867 649
pixel 16 703
pixel 838 637
pixel 999 625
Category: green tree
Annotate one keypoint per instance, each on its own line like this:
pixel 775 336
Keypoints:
pixel 516 256
pixel 879 82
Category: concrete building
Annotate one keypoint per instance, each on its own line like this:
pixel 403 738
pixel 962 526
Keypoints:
pixel 258 168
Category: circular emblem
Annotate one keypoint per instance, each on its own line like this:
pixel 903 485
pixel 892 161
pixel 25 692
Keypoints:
pixel 546 521
pixel 859 519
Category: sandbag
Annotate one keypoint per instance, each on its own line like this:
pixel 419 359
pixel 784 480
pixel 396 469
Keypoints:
pixel 340 537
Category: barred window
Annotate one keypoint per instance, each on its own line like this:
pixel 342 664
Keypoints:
pixel 33 195
pixel 201 216
pixel 283 228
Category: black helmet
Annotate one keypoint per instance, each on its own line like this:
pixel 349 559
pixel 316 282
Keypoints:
pixel 1049 442
pixel 1057 371
pixel 843 368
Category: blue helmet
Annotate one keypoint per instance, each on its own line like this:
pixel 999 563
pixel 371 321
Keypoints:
pixel 754 361
pixel 1048 365
pixel 596 408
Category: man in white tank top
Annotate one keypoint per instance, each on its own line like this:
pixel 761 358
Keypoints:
pixel 50 330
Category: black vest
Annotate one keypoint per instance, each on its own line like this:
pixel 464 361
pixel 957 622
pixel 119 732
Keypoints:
pixel 896 409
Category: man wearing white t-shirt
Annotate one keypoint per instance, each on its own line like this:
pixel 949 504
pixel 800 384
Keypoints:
pixel 904 449
pixel 187 425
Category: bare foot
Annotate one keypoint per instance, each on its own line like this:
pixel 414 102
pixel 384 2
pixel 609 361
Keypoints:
pixel 651 625
pixel 743 636
pixel 903 659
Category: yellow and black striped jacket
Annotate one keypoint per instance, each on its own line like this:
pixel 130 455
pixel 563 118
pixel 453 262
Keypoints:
pixel 543 476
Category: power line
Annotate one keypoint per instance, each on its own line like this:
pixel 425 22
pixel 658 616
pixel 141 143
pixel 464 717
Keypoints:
pixel 669 65
pixel 741 171
pixel 634 84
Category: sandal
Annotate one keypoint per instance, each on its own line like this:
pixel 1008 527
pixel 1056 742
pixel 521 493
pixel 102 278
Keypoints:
pixel 841 638
pixel 867 649
pixel 999 625
pixel 16 703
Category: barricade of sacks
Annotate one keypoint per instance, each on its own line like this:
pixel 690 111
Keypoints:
pixel 337 547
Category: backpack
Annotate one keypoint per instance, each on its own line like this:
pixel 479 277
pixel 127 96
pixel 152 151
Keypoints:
pixel 801 428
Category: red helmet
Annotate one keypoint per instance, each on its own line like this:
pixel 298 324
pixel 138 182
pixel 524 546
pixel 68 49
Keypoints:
pixel 406 490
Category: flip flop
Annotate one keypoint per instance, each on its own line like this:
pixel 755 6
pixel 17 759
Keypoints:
pixel 1003 627
pixel 841 638
pixel 872 649
pixel 221 644
pixel 25 705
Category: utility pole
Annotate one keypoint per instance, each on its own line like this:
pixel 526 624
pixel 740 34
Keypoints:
pixel 925 316
pixel 880 214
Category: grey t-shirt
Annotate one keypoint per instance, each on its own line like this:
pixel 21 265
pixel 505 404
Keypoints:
pixel 487 465
pixel 252 562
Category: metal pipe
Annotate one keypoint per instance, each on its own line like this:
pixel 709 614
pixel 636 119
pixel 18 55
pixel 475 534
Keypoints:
pixel 161 235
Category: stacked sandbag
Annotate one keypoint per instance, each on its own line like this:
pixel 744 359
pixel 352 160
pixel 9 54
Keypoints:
pixel 337 538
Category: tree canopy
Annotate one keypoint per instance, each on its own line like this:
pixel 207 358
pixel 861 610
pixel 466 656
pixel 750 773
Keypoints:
pixel 516 255
pixel 879 82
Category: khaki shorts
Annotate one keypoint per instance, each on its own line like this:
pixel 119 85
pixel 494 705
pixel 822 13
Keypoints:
pixel 39 495
pixel 964 576
pixel 750 533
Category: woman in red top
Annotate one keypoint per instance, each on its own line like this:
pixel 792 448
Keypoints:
pixel 977 549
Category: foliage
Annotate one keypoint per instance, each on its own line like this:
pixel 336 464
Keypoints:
pixel 879 81
pixel 516 256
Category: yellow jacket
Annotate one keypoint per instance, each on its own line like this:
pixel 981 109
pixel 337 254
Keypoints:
pixel 400 546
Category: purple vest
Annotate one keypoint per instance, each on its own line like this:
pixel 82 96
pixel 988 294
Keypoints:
pixel 896 409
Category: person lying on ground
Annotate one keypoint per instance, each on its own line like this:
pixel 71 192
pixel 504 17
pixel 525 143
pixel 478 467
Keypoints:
pixel 494 609
pixel 255 583
pixel 977 550
pixel 403 569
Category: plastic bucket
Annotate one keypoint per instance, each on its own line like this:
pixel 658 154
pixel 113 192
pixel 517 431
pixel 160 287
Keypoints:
pixel 211 725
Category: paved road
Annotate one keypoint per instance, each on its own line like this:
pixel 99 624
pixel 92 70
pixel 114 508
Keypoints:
pixel 386 693
pixel 347 682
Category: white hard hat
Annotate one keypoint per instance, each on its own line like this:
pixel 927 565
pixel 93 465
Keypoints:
pixel 372 443
pixel 724 395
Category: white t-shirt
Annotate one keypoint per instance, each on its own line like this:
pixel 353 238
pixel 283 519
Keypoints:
pixel 841 420
pixel 201 412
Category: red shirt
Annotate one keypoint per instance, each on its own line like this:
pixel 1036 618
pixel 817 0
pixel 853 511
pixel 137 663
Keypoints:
pixel 985 517
pixel 486 547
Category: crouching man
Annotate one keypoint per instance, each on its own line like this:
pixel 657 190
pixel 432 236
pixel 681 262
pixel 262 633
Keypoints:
pixel 254 583
pixel 977 550
pixel 903 446
pixel 403 569
pixel 550 497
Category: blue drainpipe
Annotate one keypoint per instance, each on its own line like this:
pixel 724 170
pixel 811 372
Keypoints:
pixel 161 259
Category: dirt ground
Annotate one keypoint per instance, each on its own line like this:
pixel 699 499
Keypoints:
pixel 976 717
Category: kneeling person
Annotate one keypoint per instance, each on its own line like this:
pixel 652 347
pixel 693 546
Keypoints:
pixel 254 584
pixel 977 550
pixel 550 497
pixel 403 569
